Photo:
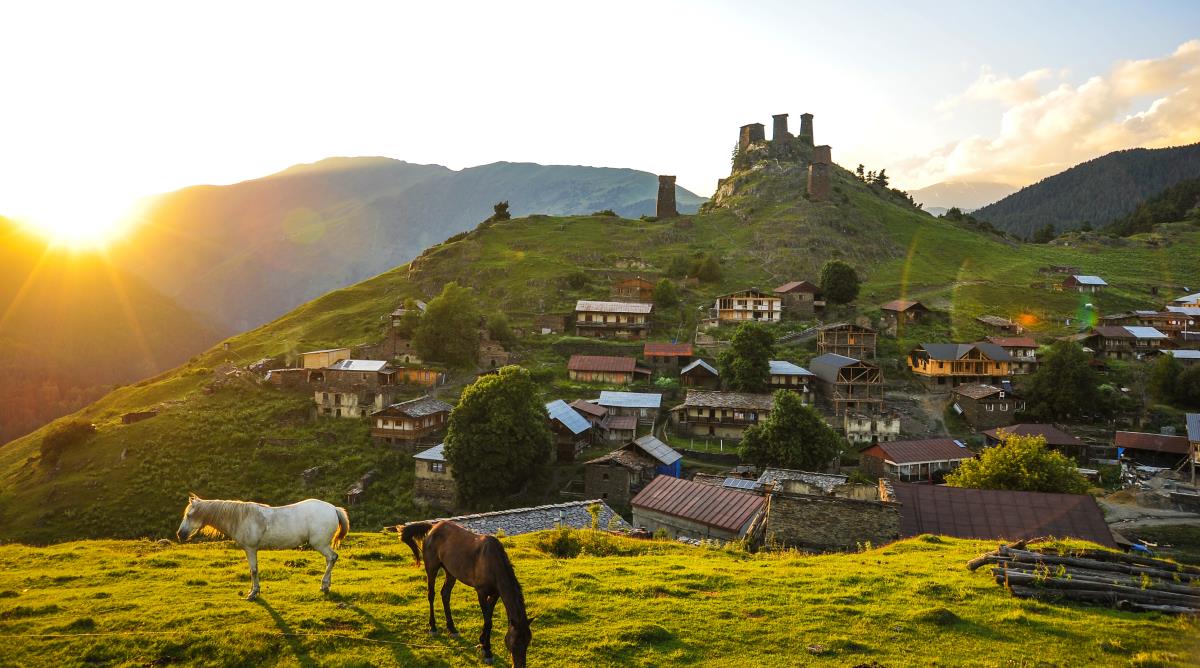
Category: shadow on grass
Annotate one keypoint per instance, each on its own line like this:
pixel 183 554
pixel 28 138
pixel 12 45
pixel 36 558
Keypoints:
pixel 289 635
pixel 380 631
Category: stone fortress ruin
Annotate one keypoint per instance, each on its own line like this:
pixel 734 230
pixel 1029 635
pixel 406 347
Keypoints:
pixel 753 147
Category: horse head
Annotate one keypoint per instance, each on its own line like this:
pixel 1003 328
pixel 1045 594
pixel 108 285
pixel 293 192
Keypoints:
pixel 190 524
pixel 517 641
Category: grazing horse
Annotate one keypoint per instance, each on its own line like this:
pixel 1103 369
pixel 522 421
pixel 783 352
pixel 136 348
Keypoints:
pixel 255 526
pixel 480 562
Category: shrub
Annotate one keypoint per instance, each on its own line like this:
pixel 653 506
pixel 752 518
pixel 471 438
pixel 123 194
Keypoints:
pixel 562 543
pixel 66 436
pixel 605 212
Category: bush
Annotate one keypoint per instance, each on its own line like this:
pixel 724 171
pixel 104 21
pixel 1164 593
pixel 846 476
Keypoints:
pixel 63 437
pixel 577 280
pixel 605 212
pixel 562 543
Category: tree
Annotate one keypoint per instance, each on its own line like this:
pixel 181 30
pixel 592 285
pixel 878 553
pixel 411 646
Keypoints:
pixel 62 437
pixel 839 282
pixel 1063 386
pixel 449 330
pixel 1021 463
pixel 410 319
pixel 881 179
pixel 746 365
pixel 498 443
pixel 679 266
pixel 498 329
pixel 1187 387
pixel 859 173
pixel 1164 379
pixel 665 294
pixel 793 436
pixel 1045 235
pixel 707 269
pixel 499 212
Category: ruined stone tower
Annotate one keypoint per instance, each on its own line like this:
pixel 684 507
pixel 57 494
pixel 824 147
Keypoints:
pixel 666 197
pixel 820 176
pixel 779 130
pixel 751 134
pixel 806 129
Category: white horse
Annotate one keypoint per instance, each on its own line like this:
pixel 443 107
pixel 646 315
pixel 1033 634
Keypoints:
pixel 255 526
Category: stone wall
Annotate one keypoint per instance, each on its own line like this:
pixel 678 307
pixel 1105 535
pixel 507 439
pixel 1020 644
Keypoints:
pixel 666 197
pixel 826 523
pixel 436 490
pixel 607 481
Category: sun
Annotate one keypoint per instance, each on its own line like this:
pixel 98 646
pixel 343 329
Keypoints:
pixel 79 225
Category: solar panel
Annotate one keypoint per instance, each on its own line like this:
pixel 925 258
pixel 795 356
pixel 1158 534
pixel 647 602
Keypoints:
pixel 740 483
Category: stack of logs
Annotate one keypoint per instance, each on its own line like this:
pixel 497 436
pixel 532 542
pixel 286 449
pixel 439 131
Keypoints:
pixel 1099 577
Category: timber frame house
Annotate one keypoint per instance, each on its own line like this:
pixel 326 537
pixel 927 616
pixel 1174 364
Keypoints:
pixel 847 340
pixel 848 384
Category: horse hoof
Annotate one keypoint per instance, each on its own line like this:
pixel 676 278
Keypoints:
pixel 251 597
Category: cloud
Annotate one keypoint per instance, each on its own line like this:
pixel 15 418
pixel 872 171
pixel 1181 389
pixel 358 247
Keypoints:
pixel 1150 103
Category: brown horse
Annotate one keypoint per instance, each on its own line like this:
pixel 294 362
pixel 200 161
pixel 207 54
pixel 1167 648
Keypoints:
pixel 480 562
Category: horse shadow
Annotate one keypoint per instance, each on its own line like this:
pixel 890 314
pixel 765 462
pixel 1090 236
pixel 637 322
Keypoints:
pixel 289 636
pixel 403 656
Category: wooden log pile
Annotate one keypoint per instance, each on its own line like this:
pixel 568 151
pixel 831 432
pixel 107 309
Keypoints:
pixel 1097 577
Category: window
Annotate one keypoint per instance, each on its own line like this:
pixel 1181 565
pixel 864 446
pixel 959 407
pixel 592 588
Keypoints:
pixel 437 467
pixel 991 407
pixel 604 477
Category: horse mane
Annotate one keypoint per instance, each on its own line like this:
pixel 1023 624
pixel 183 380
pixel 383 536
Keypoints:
pixel 221 517
pixel 506 580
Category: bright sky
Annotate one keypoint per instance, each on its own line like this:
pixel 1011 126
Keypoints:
pixel 104 103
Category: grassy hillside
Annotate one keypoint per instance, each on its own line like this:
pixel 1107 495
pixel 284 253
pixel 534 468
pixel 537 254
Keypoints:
pixel 206 438
pixel 647 604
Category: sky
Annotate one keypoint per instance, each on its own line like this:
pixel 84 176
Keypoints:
pixel 102 104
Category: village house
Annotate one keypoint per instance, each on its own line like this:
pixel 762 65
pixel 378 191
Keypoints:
pixel 846 384
pixel 1056 439
pixel 1084 283
pixel 1124 342
pixel 986 406
pixel 1184 357
pixel 789 376
pixel 1187 300
pixel 612 320
pixel 409 421
pixel 1000 325
pixel 642 405
pixel 925 461
pixel 797 482
pixel 1022 349
pixel 800 298
pixel 957 363
pixel 604 369
pixel 434 483
pixel 708 414
pixel 352 388
pixel 492 354
pixel 518 521
pixel 751 304
pixel 667 357
pixel 618 475
pixel 861 428
pixel 847 340
pixel 420 376
pixel 591 411
pixel 1177 321
pixel 572 431
pixel 636 289
pixel 686 509
pixel 1192 420
pixel 828 522
pixel 904 312
pixel 619 428
pixel 1166 451
pixel 700 374
pixel 319 359
pixel 546 323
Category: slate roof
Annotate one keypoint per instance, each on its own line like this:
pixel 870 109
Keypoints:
pixel 567 416
pixel 955 351
pixel 1013 341
pixel 634 461
pixel 798 286
pixel 992 514
pixel 996 321
pixel 593 409
pixel 742 400
pixel 538 518
pixel 358 365
pixel 667 349
pixel 700 364
pixel 1135 440
pixel 658 450
pixel 601 363
pixel 826 481
pixel 716 507
pixel 979 391
pixel 610 399
pixel 1085 279
pixel 1054 435
pixel 586 306
pixel 1193 427
pixel 435 454
pixel 902 305
pixel 785 368
pixel 919 451
pixel 420 407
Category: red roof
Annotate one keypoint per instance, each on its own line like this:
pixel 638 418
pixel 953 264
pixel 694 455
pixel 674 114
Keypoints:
pixel 901 305
pixel 798 286
pixel 717 507
pixel 1136 440
pixel 1013 341
pixel 992 514
pixel 668 349
pixel 914 452
pixel 601 363
pixel 595 410
pixel 1054 435
pixel 620 422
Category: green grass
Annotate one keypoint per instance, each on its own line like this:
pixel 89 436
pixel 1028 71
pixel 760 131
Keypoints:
pixel 140 602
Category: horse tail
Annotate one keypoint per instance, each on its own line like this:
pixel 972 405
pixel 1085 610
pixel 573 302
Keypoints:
pixel 343 528
pixel 413 531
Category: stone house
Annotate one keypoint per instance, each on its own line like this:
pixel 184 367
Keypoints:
pixel 751 304
pixel 410 421
pixel 636 289
pixel 604 369
pixel 1000 325
pixel 828 523
pixel 612 320
pixel 1125 343
pixel 667 357
pixel 492 354
pixel 352 388
pixel 903 312
pixel 875 427
pixel 846 384
pixel 700 374
pixel 801 298
pixel 788 376
pixel 618 475
pixel 957 363
pixel 642 405
pixel 708 414
pixel 572 431
pixel 847 340
pixel 924 461
pixel 434 482
pixel 319 359
pixel 986 406
pixel 1084 283
pixel 1056 439
pixel 686 509
pixel 1022 349
pixel 549 324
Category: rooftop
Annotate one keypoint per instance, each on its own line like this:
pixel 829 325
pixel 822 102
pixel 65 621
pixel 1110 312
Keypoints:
pixel 358 365
pixel 657 449
pixel 798 286
pixel 634 460
pixel 1136 440
pixel 1013 341
pixel 699 364
pixel 587 306
pixel 996 321
pixel 538 518
pixel 1183 354
pixel 620 422
pixel 826 481
pixel 1193 427
pixel 435 454
pixel 1086 279
pixel 1187 299
pixel 742 400
pixel 668 349
pixel 1054 435
pixel 419 407
pixel 716 507
pixel 920 451
pixel 601 363
pixel 785 368
pixel 326 350
pixel 978 391
pixel 902 305
pixel 610 399
pixel 589 407
pixel 956 351
pixel 570 418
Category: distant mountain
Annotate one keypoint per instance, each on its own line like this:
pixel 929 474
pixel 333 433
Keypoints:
pixel 965 195
pixel 249 252
pixel 72 326
pixel 1096 192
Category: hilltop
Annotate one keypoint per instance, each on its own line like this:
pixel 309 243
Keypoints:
pixel 1095 192
pixel 643 603
pixel 221 433
pixel 247 253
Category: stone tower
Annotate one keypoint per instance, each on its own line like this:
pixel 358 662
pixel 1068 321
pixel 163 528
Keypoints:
pixel 820 173
pixel 806 129
pixel 666 197
pixel 779 130
pixel 751 134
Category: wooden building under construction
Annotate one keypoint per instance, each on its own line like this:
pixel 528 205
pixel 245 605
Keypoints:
pixel 848 384
pixel 847 340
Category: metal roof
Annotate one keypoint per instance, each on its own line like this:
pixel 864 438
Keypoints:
pixel 620 422
pixel 798 286
pixel 716 507
pixel 658 450
pixel 901 305
pixel 435 454
pixel 1183 354
pixel 326 350
pixel 1085 279
pixel 1013 341
pixel 956 351
pixel 589 407
pixel 1145 332
pixel 668 349
pixel 826 481
pixel 1187 299
pixel 1136 440
pixel 699 363
pixel 993 514
pixel 587 306
pixel 826 366
pixel 569 417
pixel 358 365
pixel 921 451
pixel 601 363
pixel 1185 310
pixel 786 368
pixel 610 399
pixel 1193 427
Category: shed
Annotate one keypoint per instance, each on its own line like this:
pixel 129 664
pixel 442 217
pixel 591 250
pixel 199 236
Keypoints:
pixel 686 509
pixel 1084 283
pixel 699 374
pixel 571 430
pixel 1152 449
pixel 642 405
